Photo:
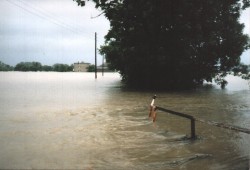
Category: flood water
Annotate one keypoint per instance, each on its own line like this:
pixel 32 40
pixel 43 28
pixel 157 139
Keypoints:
pixel 72 121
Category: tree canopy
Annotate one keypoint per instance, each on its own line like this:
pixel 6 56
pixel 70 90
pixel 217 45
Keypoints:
pixel 173 43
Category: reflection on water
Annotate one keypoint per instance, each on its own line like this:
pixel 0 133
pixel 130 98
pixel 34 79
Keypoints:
pixel 71 120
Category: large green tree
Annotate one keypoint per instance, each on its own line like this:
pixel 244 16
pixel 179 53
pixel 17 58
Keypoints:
pixel 173 43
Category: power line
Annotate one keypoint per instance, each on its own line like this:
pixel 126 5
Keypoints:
pixel 46 17
pixel 51 16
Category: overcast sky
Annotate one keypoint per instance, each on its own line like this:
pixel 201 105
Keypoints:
pixel 57 31
pixel 49 31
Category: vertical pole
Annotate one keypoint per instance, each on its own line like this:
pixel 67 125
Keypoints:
pixel 95 57
pixel 103 65
pixel 193 136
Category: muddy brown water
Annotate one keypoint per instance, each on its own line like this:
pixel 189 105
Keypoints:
pixel 72 121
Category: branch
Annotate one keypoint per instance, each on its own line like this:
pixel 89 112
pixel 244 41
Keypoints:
pixel 97 15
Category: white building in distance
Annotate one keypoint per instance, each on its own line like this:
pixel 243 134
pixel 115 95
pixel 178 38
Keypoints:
pixel 81 67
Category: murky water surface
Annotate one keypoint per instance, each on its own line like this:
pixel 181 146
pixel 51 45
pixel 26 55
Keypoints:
pixel 71 120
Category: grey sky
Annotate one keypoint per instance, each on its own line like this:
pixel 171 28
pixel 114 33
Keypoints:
pixel 57 31
pixel 49 31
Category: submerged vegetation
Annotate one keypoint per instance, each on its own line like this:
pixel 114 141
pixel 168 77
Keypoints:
pixel 173 44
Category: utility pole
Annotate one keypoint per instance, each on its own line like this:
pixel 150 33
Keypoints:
pixel 103 65
pixel 95 57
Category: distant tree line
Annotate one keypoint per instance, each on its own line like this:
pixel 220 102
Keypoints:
pixel 5 67
pixel 36 66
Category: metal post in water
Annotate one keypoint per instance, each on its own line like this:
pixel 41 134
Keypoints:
pixel 191 118
pixel 193 136
pixel 152 112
